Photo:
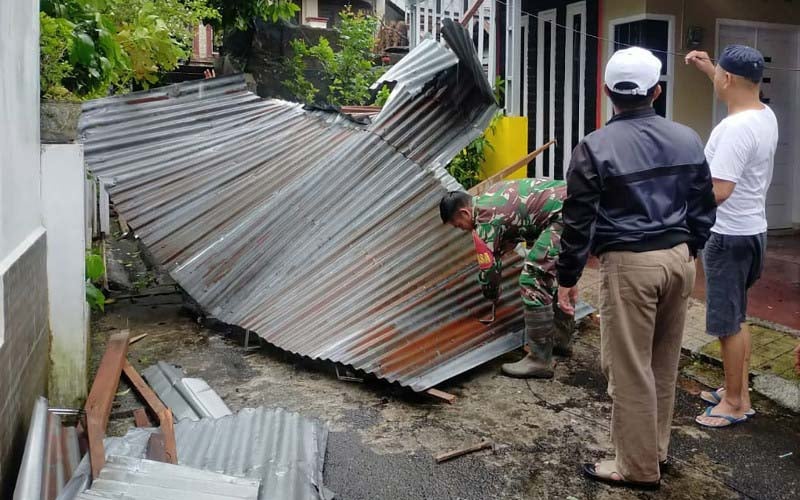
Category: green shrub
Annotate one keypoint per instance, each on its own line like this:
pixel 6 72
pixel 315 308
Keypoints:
pixel 54 68
pixel 466 166
pixel 348 72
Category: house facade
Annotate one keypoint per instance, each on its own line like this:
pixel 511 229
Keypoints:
pixel 551 55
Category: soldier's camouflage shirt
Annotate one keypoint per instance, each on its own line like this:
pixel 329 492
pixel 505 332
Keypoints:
pixel 513 212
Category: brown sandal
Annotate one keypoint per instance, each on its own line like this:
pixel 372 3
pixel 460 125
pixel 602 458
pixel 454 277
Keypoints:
pixel 590 471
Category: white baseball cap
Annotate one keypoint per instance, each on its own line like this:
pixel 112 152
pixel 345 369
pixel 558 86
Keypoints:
pixel 637 69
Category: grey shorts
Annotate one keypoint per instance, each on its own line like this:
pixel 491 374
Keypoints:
pixel 732 264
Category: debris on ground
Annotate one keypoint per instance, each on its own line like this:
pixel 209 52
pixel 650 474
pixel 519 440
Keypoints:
pixel 209 453
pixel 188 397
pixel 483 445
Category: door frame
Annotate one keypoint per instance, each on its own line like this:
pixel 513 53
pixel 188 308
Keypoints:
pixel 795 198
pixel 525 23
pixel 544 16
pixel 670 77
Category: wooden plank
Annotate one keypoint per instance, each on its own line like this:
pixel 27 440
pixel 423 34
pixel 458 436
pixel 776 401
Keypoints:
pixel 443 457
pixel 471 12
pixel 168 430
pixel 141 418
pixel 137 338
pixel 101 397
pixel 142 389
pixel 156 449
pixel 444 396
pixel 484 185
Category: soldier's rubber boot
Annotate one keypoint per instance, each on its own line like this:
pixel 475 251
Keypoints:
pixel 563 331
pixel 539 335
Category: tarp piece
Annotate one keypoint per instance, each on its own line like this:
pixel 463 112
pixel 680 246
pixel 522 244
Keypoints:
pixel 321 235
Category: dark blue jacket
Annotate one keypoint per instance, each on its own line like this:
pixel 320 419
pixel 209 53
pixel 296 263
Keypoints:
pixel 640 183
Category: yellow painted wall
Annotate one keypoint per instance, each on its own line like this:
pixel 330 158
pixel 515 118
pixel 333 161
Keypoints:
pixel 693 99
pixel 510 143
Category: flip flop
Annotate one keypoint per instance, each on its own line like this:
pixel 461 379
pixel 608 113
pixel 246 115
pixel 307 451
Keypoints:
pixel 730 419
pixel 714 398
pixel 590 471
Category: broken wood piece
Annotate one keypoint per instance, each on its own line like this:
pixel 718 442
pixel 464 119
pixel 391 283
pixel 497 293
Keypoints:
pixel 484 185
pixel 142 389
pixel 168 430
pixel 443 457
pixel 101 396
pixel 123 225
pixel 137 338
pixel 155 404
pixel 471 12
pixel 444 396
pixel 141 418
pixel 156 448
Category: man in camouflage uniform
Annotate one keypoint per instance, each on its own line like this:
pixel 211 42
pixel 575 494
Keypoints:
pixel 529 211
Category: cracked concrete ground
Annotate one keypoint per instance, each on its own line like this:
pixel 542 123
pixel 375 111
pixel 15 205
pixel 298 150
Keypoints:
pixel 383 437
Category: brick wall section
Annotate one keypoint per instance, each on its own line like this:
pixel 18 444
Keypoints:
pixel 23 355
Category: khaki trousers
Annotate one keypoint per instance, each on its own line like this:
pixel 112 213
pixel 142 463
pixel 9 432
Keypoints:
pixel 642 313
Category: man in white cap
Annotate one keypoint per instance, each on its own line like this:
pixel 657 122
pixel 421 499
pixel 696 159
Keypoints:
pixel 741 154
pixel 639 196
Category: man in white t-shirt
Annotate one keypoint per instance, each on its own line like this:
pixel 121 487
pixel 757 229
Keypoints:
pixel 741 154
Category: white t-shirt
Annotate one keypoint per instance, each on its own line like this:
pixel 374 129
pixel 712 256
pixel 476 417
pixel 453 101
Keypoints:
pixel 742 150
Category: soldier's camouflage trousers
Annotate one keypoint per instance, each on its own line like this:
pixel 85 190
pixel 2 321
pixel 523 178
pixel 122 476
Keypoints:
pixel 537 282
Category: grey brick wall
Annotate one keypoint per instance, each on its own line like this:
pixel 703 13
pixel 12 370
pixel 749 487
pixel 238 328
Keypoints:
pixel 24 355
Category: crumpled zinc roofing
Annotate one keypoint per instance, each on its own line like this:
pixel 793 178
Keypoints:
pixel 126 478
pixel 321 236
pixel 187 397
pixel 282 449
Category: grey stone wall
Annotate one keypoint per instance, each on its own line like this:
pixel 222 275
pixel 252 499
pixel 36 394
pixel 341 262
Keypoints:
pixel 24 356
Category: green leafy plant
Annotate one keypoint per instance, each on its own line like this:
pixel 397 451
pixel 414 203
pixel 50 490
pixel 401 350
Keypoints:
pixel 157 34
pixel 382 96
pixel 242 14
pixel 56 44
pixel 348 71
pixel 113 44
pixel 466 166
pixel 500 91
pixel 95 269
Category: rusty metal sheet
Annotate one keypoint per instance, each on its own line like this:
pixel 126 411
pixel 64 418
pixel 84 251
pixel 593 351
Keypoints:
pixel 321 235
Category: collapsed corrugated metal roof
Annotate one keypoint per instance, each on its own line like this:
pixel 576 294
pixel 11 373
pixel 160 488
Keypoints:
pixel 186 397
pixel 320 235
pixel 126 478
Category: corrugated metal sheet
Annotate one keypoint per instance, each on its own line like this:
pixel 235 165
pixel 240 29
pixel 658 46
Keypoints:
pixel 320 235
pixel 31 472
pixel 51 455
pixel 126 478
pixel 186 397
pixel 282 449
pixel 285 450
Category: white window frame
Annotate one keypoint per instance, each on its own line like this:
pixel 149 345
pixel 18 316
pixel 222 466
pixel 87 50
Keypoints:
pixel 543 17
pixel 574 9
pixel 669 78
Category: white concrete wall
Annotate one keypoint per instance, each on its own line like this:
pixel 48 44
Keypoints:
pixel 25 339
pixel 20 212
pixel 63 205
